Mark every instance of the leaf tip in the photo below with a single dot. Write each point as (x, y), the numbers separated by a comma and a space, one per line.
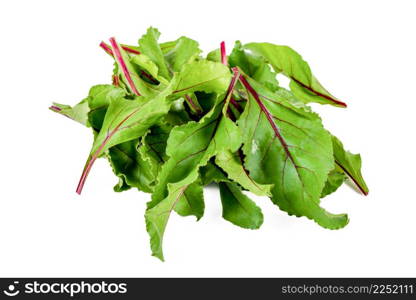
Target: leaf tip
(159, 256)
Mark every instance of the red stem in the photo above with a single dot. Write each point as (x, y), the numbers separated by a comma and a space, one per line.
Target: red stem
(55, 108)
(108, 49)
(352, 178)
(233, 82)
(89, 164)
(123, 66)
(116, 80)
(223, 54)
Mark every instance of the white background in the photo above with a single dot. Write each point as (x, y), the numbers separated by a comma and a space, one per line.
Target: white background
(362, 51)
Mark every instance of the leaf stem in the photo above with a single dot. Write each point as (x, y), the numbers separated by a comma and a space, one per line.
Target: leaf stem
(116, 80)
(361, 188)
(109, 51)
(223, 54)
(233, 82)
(123, 66)
(106, 48)
(55, 108)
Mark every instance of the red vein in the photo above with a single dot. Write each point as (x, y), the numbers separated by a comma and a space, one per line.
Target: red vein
(352, 178)
(122, 64)
(223, 54)
(269, 117)
(195, 85)
(340, 103)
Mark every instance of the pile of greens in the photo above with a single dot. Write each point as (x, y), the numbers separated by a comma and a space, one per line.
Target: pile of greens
(173, 121)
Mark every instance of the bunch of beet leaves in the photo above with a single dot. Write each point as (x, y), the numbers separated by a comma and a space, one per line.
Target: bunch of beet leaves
(173, 121)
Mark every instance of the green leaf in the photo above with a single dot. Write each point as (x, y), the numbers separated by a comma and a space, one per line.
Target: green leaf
(190, 147)
(177, 114)
(289, 148)
(150, 47)
(185, 51)
(193, 104)
(211, 173)
(99, 99)
(232, 164)
(167, 46)
(153, 147)
(91, 110)
(238, 208)
(78, 113)
(147, 65)
(303, 84)
(129, 165)
(350, 164)
(254, 66)
(204, 76)
(173, 122)
(214, 55)
(191, 203)
(156, 221)
(334, 181)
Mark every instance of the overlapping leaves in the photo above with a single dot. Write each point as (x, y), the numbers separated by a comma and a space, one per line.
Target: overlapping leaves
(173, 122)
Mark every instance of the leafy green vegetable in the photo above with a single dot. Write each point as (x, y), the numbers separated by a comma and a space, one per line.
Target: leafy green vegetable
(173, 122)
